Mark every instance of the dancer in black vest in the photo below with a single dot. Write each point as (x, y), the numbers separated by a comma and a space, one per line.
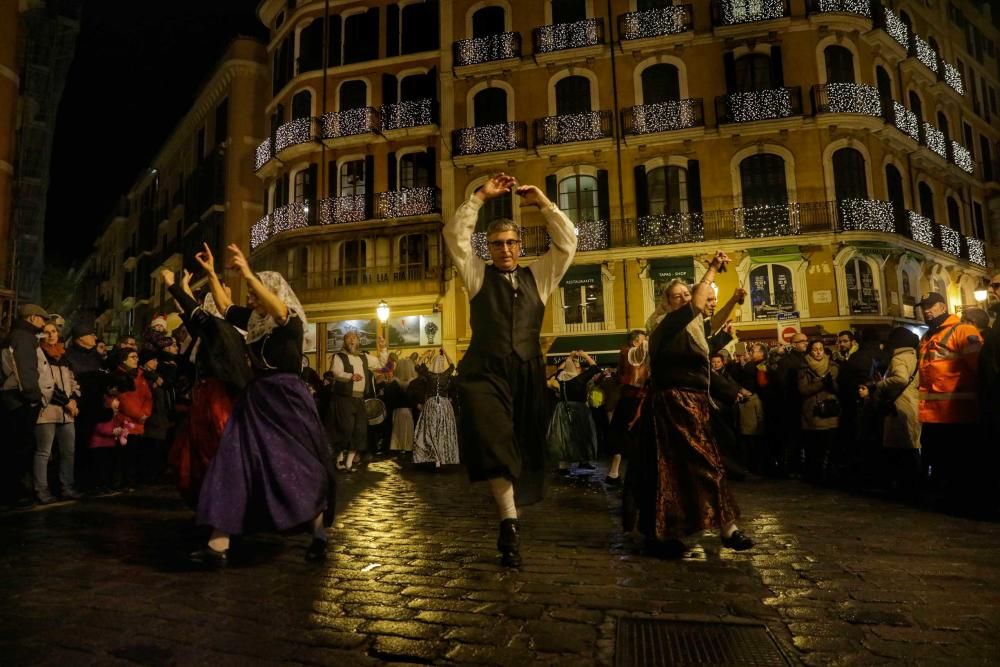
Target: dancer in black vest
(501, 381)
(353, 372)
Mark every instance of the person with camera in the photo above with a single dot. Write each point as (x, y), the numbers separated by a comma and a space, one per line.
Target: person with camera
(820, 409)
(60, 393)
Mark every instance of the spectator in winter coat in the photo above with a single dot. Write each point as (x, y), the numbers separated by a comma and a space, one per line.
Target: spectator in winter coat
(818, 389)
(87, 365)
(107, 446)
(136, 405)
(60, 393)
(151, 455)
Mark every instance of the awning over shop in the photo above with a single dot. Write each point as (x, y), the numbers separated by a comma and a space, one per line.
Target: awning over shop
(785, 253)
(668, 268)
(603, 347)
(582, 275)
(874, 249)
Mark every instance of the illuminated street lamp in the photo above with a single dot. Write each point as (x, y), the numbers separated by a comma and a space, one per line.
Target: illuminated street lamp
(981, 294)
(382, 310)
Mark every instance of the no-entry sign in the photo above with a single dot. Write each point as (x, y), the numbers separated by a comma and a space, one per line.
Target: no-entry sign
(788, 325)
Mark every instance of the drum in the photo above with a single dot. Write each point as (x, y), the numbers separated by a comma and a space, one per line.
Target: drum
(375, 409)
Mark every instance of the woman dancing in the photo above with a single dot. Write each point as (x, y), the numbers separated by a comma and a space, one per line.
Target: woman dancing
(273, 469)
(437, 433)
(682, 486)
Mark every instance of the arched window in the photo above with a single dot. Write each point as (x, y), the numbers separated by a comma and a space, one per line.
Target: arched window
(352, 178)
(361, 38)
(311, 47)
(765, 196)
(894, 188)
(353, 95)
(849, 174)
(752, 72)
(353, 260)
(917, 107)
(568, 11)
(277, 118)
(945, 128)
(419, 27)
(488, 21)
(839, 64)
(905, 287)
(415, 170)
(304, 186)
(668, 192)
(572, 95)
(954, 217)
(494, 209)
(302, 105)
(660, 83)
(862, 294)
(578, 198)
(926, 196)
(490, 107)
(884, 83)
(771, 291)
(416, 87)
(414, 256)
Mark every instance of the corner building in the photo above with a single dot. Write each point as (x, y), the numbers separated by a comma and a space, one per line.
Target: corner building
(842, 152)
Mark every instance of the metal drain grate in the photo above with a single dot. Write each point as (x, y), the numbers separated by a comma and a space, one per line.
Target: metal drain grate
(647, 642)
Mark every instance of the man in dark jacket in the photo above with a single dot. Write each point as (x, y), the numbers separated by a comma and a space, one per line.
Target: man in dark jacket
(87, 365)
(989, 402)
(790, 409)
(20, 401)
(858, 437)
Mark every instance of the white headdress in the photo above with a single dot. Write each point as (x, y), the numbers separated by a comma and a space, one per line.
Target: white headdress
(440, 364)
(262, 325)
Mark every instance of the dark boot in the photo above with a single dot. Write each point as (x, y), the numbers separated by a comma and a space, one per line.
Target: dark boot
(509, 543)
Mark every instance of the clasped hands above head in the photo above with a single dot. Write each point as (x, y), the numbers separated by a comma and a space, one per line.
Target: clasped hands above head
(501, 184)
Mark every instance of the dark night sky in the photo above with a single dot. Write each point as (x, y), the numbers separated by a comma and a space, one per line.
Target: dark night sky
(137, 69)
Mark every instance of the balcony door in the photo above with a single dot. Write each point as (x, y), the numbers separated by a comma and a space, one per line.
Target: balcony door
(353, 261)
(490, 107)
(849, 179)
(765, 196)
(752, 72)
(839, 64)
(415, 170)
(489, 21)
(573, 95)
(660, 83)
(414, 257)
(578, 198)
(353, 95)
(668, 191)
(568, 11)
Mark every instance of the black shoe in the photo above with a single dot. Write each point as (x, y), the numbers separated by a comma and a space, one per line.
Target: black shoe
(209, 558)
(613, 481)
(668, 549)
(316, 551)
(509, 543)
(45, 499)
(586, 465)
(737, 541)
(23, 503)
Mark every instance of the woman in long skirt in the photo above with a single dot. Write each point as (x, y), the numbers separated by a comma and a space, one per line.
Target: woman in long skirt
(400, 406)
(273, 469)
(572, 435)
(681, 484)
(436, 438)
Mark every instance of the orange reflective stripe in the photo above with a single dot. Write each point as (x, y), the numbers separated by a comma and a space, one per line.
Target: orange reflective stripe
(961, 396)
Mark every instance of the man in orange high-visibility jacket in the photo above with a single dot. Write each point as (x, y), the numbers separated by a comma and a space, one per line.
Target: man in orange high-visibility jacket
(949, 406)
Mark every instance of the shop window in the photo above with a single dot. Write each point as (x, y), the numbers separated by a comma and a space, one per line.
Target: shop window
(862, 294)
(771, 291)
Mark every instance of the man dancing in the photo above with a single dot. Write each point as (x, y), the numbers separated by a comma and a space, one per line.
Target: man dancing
(501, 379)
(353, 372)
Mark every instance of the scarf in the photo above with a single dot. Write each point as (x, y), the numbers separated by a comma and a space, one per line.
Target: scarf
(821, 367)
(262, 325)
(936, 322)
(54, 351)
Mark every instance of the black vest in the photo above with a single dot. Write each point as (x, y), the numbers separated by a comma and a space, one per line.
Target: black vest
(341, 388)
(505, 319)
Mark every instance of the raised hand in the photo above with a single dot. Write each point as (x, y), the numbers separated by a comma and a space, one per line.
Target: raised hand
(533, 196)
(720, 259)
(206, 260)
(498, 185)
(186, 283)
(238, 260)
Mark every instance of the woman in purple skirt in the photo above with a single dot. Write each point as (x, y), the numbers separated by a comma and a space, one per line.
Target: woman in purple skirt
(273, 469)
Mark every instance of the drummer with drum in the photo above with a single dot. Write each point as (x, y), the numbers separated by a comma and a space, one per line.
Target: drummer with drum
(354, 385)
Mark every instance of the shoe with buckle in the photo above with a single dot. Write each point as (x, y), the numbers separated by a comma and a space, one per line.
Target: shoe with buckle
(737, 541)
(316, 551)
(509, 543)
(209, 558)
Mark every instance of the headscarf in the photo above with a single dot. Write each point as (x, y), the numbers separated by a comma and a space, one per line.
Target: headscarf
(439, 365)
(262, 325)
(571, 368)
(208, 305)
(406, 371)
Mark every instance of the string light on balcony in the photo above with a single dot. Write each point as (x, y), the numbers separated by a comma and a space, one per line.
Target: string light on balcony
(921, 228)
(406, 202)
(340, 210)
(951, 241)
(866, 215)
(767, 220)
(487, 49)
(406, 114)
(906, 121)
(934, 139)
(853, 98)
(926, 54)
(859, 7)
(567, 35)
(574, 127)
(741, 11)
(347, 123)
(298, 131)
(487, 139)
(962, 157)
(977, 251)
(656, 22)
(954, 78)
(896, 28)
(593, 235)
(671, 228)
(665, 116)
(260, 232)
(262, 155)
(759, 105)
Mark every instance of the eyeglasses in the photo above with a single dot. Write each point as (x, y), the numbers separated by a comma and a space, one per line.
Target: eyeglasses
(509, 244)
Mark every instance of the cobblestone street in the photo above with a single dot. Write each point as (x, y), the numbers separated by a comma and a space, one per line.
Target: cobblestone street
(413, 577)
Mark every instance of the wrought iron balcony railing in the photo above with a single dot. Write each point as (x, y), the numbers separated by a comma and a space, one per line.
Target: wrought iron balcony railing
(413, 113)
(658, 22)
(343, 209)
(934, 140)
(407, 202)
(562, 36)
(975, 251)
(408, 277)
(735, 12)
(348, 123)
(663, 116)
(670, 228)
(954, 78)
(756, 105)
(503, 46)
(951, 240)
(846, 98)
(292, 133)
(262, 155)
(962, 157)
(922, 51)
(572, 127)
(887, 20)
(857, 7)
(490, 138)
(593, 235)
(865, 215)
(905, 121)
(921, 229)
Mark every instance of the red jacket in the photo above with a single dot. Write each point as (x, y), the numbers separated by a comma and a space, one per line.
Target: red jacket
(949, 358)
(137, 405)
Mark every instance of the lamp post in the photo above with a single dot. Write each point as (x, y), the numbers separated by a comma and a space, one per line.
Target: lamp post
(382, 312)
(981, 295)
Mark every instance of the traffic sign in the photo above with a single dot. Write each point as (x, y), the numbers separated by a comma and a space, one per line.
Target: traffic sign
(789, 324)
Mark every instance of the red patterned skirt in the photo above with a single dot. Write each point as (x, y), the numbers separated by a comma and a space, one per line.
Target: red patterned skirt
(196, 443)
